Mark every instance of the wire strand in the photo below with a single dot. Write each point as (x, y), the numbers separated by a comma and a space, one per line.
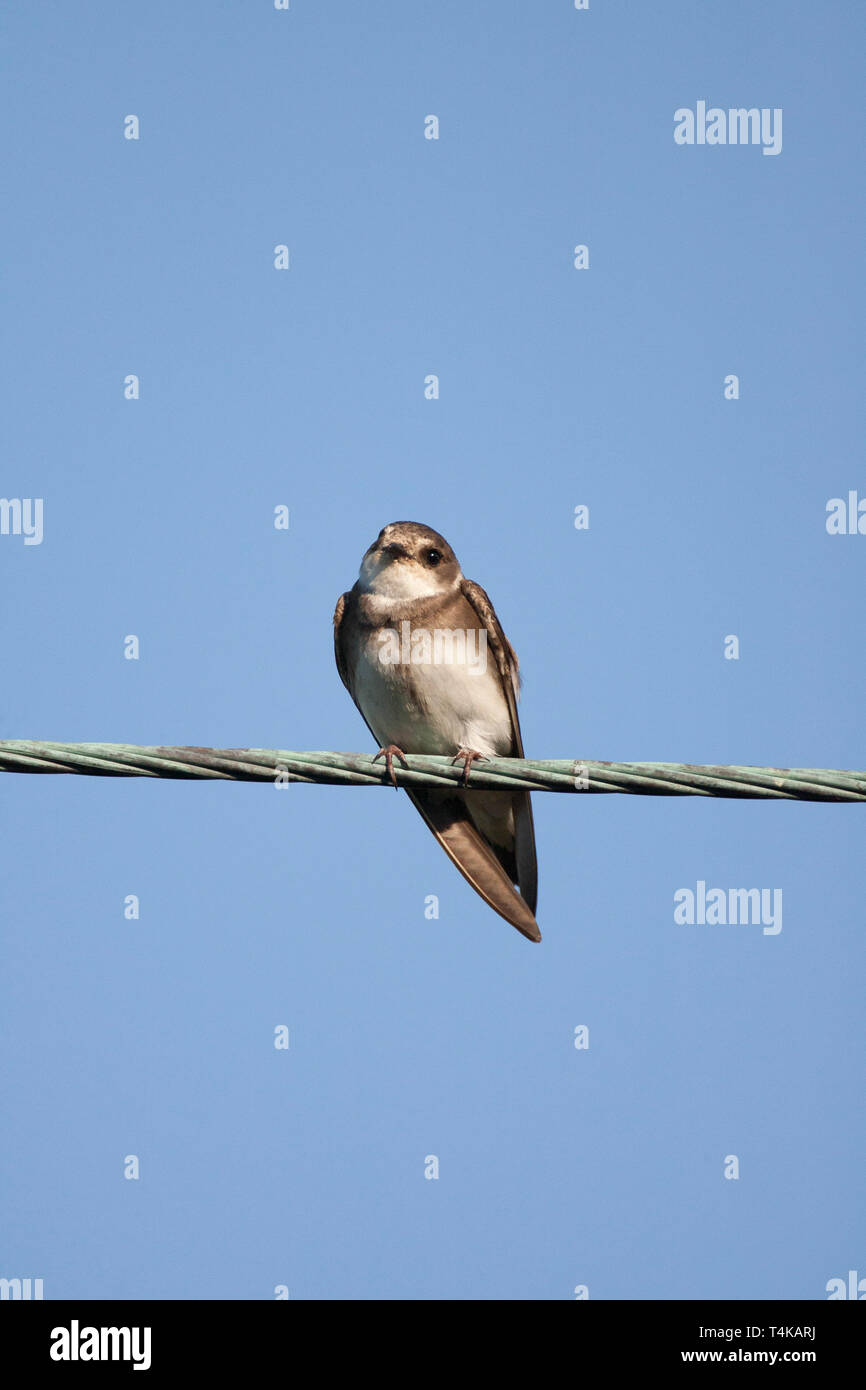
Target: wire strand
(278, 765)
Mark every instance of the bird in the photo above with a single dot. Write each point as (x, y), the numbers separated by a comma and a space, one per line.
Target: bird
(422, 653)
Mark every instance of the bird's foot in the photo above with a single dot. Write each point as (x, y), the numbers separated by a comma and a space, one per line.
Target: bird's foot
(469, 757)
(389, 755)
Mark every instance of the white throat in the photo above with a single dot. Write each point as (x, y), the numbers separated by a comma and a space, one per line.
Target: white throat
(400, 582)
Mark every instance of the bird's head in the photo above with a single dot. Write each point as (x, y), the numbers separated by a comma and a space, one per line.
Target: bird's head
(409, 561)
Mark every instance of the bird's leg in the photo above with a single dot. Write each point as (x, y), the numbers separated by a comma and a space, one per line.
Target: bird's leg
(389, 754)
(469, 757)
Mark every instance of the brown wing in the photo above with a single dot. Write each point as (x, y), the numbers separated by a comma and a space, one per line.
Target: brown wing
(342, 619)
(339, 653)
(503, 654)
(526, 859)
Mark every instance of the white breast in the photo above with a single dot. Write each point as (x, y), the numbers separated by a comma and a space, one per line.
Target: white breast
(430, 707)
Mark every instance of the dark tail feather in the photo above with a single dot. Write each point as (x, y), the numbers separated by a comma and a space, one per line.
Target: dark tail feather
(449, 820)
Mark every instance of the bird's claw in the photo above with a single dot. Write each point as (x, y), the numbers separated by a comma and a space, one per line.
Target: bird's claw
(389, 754)
(469, 757)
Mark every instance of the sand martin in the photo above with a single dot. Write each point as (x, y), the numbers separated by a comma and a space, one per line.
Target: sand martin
(421, 651)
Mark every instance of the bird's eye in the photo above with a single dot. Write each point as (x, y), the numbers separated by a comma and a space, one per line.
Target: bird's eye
(433, 557)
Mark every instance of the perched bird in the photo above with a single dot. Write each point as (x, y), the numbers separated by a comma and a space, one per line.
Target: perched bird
(421, 651)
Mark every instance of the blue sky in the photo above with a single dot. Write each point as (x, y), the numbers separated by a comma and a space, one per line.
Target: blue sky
(558, 1167)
